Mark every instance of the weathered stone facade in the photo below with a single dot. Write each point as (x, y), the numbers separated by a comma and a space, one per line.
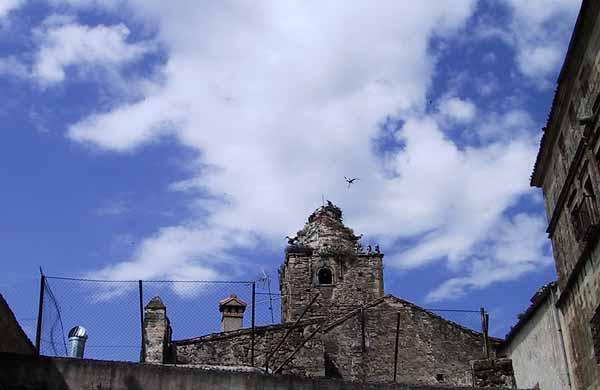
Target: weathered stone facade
(431, 350)
(493, 373)
(350, 330)
(157, 332)
(234, 349)
(325, 247)
(358, 346)
(568, 171)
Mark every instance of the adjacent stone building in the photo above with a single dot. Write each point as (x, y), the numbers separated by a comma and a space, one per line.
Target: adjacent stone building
(536, 344)
(12, 337)
(568, 171)
(340, 324)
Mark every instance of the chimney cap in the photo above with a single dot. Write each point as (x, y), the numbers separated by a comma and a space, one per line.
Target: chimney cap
(78, 331)
(155, 303)
(231, 301)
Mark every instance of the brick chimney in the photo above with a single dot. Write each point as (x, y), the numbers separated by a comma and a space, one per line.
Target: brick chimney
(233, 309)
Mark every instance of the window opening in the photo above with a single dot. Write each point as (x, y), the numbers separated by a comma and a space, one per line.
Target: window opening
(325, 276)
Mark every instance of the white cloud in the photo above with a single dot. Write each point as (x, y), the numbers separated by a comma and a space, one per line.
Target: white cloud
(172, 253)
(280, 102)
(113, 208)
(462, 110)
(514, 248)
(12, 67)
(456, 196)
(509, 124)
(9, 5)
(64, 43)
(540, 31)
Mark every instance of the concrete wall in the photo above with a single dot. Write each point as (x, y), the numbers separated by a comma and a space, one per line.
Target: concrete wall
(24, 372)
(537, 352)
(12, 337)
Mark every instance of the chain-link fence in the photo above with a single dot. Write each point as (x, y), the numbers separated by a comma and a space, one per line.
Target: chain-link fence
(112, 312)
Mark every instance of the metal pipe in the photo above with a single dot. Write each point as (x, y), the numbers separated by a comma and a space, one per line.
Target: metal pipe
(77, 338)
(397, 346)
(484, 330)
(252, 335)
(38, 334)
(287, 333)
(141, 294)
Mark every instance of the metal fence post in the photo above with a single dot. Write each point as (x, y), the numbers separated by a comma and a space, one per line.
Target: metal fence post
(143, 349)
(485, 318)
(38, 334)
(397, 345)
(252, 335)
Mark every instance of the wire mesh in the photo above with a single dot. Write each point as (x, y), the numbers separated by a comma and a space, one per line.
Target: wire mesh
(110, 311)
(52, 338)
(193, 307)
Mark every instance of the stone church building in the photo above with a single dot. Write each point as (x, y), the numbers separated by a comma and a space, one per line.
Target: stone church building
(352, 330)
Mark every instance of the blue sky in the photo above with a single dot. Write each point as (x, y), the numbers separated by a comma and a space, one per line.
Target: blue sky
(184, 142)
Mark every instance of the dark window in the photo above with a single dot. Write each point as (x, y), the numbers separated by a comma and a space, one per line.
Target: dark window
(439, 377)
(325, 276)
(585, 216)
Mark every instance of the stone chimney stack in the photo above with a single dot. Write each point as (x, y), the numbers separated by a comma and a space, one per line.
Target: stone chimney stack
(233, 309)
(157, 332)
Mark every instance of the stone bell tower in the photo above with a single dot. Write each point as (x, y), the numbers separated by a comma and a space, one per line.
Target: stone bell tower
(327, 258)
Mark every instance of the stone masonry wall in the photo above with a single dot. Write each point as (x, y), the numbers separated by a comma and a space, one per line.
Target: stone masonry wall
(233, 349)
(431, 349)
(325, 242)
(357, 279)
(157, 332)
(577, 259)
(493, 373)
(578, 310)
